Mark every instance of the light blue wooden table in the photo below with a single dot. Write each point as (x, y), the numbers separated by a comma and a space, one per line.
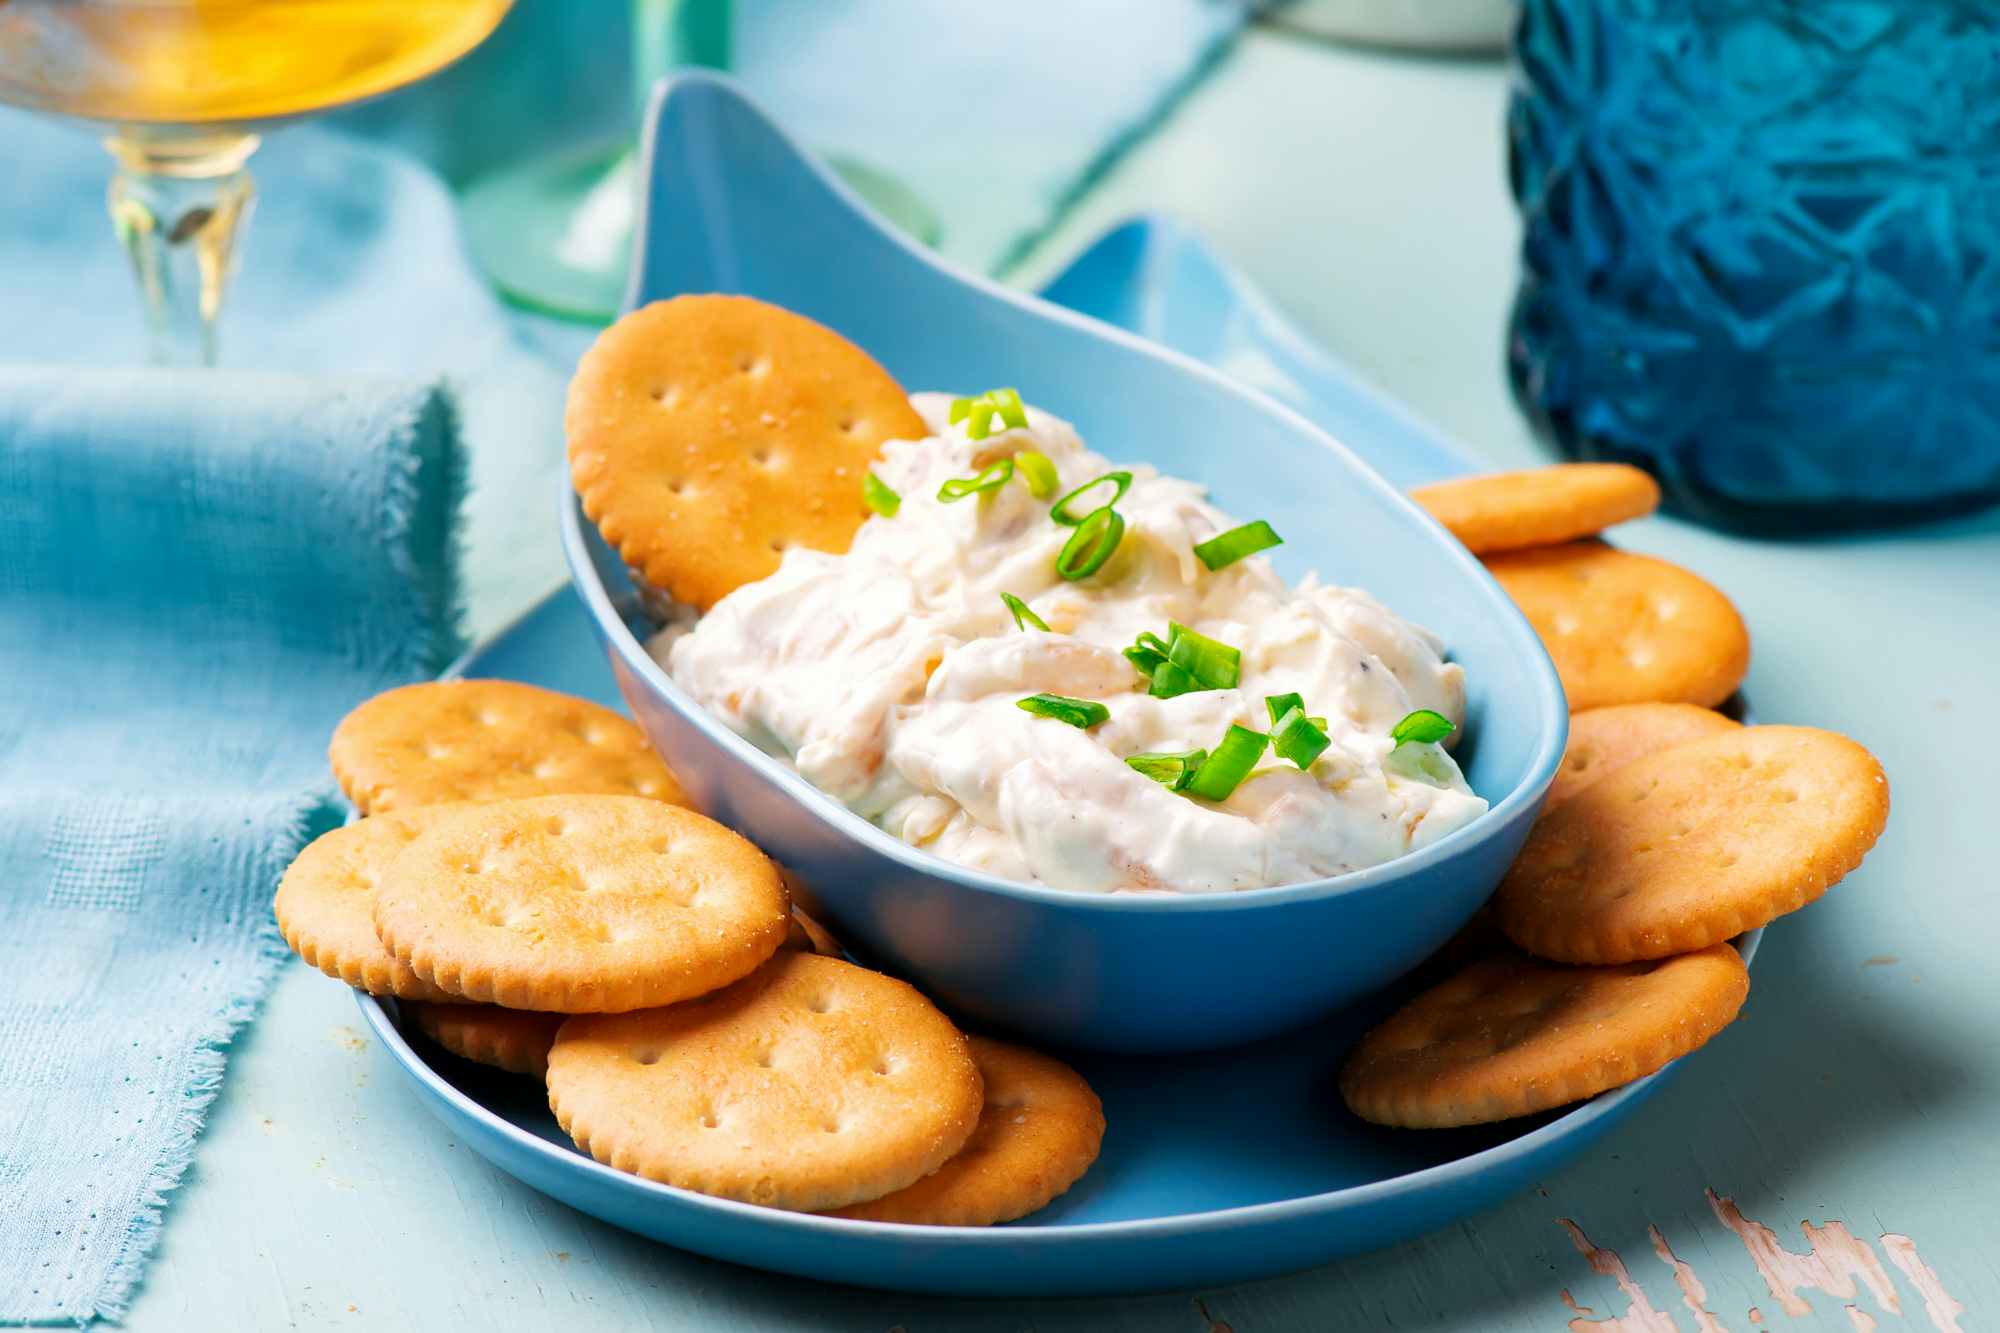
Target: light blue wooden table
(1859, 1095)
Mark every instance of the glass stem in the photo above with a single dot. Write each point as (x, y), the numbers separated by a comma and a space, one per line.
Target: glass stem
(179, 204)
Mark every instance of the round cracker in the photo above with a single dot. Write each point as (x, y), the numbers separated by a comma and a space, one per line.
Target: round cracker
(810, 1084)
(1694, 845)
(489, 740)
(1625, 628)
(1038, 1133)
(516, 1040)
(1513, 1035)
(1604, 740)
(580, 904)
(709, 434)
(325, 903)
(1507, 511)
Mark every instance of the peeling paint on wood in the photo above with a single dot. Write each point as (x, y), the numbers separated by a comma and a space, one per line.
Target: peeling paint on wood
(1836, 1258)
(1640, 1316)
(1693, 1294)
(1938, 1303)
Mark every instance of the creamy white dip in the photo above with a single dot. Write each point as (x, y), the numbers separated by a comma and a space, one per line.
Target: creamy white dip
(890, 677)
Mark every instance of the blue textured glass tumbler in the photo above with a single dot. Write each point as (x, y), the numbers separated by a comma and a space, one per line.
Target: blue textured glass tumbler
(1761, 251)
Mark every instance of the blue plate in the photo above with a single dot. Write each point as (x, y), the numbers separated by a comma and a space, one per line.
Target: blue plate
(1216, 1168)
(732, 205)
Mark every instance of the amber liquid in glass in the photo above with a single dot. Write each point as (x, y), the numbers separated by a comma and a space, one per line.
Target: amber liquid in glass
(213, 62)
(184, 86)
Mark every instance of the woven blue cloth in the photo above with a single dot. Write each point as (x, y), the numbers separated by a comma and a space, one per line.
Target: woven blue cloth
(199, 572)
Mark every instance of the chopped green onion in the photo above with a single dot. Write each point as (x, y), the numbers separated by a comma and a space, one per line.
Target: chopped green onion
(978, 413)
(1091, 544)
(1007, 402)
(879, 497)
(1229, 763)
(1173, 770)
(1147, 653)
(1320, 722)
(1281, 704)
(1040, 474)
(1170, 681)
(1061, 511)
(991, 478)
(1233, 545)
(1024, 615)
(1294, 737)
(1424, 727)
(1083, 713)
(1212, 662)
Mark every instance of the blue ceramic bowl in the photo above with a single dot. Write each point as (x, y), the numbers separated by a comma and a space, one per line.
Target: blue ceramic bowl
(730, 204)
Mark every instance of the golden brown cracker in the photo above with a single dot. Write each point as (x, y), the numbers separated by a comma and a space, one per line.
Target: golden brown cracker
(516, 1040)
(1625, 628)
(1694, 845)
(1039, 1132)
(1513, 1035)
(580, 904)
(489, 740)
(1507, 511)
(709, 434)
(326, 902)
(1604, 740)
(811, 1084)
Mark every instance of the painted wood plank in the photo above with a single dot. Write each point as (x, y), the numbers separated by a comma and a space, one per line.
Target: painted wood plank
(1860, 1089)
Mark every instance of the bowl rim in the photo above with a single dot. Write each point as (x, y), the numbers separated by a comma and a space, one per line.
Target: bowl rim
(1545, 686)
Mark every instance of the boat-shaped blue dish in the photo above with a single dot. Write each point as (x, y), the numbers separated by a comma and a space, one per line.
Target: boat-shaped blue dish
(730, 204)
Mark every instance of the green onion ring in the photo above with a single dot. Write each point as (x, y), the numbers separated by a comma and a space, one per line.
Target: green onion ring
(1038, 472)
(1172, 770)
(1091, 544)
(879, 497)
(1082, 713)
(991, 478)
(1424, 726)
(1229, 763)
(1229, 547)
(1060, 510)
(1024, 614)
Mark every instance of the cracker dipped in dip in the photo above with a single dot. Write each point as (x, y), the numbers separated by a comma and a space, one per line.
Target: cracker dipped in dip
(1104, 690)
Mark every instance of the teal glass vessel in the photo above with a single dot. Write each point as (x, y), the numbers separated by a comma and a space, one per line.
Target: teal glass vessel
(1761, 251)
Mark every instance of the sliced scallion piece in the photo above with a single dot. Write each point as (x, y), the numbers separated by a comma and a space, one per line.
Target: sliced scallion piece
(1172, 770)
(991, 478)
(879, 497)
(1228, 763)
(1007, 404)
(1069, 514)
(1280, 704)
(1423, 726)
(1294, 737)
(1229, 547)
(1170, 681)
(1024, 615)
(1091, 544)
(1038, 472)
(1081, 713)
(1212, 662)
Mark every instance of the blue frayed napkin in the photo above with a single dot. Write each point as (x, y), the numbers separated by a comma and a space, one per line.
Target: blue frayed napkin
(198, 574)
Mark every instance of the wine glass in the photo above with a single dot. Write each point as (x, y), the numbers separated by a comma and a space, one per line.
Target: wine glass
(182, 89)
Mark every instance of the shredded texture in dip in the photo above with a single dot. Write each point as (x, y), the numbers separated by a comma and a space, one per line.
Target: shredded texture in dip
(890, 677)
